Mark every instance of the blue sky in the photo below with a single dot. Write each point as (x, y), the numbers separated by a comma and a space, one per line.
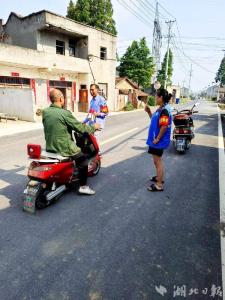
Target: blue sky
(200, 24)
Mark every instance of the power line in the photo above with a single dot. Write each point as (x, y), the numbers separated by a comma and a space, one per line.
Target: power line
(133, 12)
(189, 85)
(203, 45)
(192, 60)
(148, 3)
(147, 7)
(166, 11)
(203, 38)
(179, 36)
(142, 9)
(183, 65)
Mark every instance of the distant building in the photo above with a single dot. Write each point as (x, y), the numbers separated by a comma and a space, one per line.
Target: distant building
(184, 92)
(45, 50)
(128, 91)
(212, 91)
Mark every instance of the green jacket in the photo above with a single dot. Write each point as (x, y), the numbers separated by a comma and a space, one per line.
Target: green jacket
(58, 125)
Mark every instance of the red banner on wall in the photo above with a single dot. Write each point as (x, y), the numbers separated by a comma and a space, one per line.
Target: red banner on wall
(33, 86)
(74, 95)
(15, 74)
(74, 92)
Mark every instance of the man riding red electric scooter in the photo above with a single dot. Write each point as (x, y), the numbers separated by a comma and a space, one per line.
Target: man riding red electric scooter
(72, 155)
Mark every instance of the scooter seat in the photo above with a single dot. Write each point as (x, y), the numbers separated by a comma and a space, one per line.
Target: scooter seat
(45, 154)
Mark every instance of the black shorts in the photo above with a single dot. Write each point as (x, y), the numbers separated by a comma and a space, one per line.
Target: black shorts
(155, 151)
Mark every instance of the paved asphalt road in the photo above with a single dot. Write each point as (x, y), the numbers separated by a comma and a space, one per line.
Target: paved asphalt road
(125, 242)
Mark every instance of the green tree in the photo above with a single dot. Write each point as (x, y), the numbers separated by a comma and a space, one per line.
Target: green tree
(110, 24)
(137, 63)
(70, 10)
(161, 76)
(96, 13)
(82, 11)
(220, 76)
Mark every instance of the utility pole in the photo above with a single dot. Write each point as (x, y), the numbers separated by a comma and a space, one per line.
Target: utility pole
(157, 42)
(170, 24)
(182, 95)
(189, 85)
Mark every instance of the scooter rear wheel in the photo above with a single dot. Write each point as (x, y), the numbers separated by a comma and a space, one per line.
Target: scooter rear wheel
(41, 201)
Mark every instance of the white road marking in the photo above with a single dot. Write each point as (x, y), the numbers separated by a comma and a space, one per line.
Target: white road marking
(118, 136)
(221, 190)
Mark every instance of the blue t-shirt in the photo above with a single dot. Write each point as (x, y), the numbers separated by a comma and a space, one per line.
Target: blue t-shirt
(154, 128)
(95, 104)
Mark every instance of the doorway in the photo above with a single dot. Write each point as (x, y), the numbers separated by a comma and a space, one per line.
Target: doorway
(63, 86)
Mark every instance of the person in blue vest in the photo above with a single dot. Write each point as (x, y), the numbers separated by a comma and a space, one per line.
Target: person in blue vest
(159, 136)
(98, 110)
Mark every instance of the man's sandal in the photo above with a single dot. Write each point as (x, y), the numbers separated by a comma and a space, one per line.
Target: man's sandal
(154, 179)
(155, 188)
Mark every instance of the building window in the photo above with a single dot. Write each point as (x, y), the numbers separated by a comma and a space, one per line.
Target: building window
(72, 47)
(103, 89)
(103, 53)
(83, 87)
(60, 47)
(14, 81)
(60, 84)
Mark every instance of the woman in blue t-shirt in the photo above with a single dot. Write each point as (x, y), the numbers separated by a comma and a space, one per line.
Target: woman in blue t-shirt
(159, 136)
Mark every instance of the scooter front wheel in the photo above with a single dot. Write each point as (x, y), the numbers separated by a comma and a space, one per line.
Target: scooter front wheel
(94, 168)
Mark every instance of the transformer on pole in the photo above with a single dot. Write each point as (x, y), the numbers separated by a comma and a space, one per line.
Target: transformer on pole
(157, 43)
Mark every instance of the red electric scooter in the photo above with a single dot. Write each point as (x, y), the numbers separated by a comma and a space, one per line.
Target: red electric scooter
(183, 132)
(50, 174)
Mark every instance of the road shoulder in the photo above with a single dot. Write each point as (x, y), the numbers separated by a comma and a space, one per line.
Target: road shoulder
(222, 192)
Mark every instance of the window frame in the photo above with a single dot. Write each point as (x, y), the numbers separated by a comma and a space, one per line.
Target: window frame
(60, 47)
(15, 81)
(103, 53)
(72, 46)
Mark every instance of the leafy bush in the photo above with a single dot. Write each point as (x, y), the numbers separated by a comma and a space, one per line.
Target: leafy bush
(151, 101)
(129, 106)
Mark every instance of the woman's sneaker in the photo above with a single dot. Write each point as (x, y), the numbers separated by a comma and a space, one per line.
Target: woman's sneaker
(86, 190)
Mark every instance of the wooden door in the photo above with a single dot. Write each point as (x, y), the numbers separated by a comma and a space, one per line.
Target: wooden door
(83, 101)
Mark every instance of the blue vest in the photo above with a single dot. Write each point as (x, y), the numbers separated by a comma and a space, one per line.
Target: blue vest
(154, 130)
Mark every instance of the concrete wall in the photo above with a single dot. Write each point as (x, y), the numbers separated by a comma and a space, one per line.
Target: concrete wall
(13, 55)
(18, 102)
(47, 43)
(104, 70)
(41, 78)
(23, 31)
(41, 93)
